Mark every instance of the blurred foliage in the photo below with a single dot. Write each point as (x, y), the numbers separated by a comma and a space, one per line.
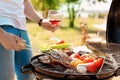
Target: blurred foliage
(71, 11)
(45, 5)
(102, 0)
(71, 1)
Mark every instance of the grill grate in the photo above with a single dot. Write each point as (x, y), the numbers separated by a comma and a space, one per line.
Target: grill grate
(116, 56)
(112, 48)
(108, 67)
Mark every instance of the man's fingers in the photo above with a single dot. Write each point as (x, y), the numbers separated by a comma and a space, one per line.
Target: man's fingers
(19, 39)
(18, 48)
(21, 44)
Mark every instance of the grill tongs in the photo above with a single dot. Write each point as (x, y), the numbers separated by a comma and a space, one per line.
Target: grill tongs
(96, 52)
(28, 47)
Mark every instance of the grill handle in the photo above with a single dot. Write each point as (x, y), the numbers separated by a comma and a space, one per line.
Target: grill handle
(27, 69)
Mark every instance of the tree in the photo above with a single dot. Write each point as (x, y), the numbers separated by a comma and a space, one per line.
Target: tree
(71, 11)
(45, 5)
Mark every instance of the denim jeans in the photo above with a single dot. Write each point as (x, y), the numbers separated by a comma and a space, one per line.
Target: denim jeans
(12, 61)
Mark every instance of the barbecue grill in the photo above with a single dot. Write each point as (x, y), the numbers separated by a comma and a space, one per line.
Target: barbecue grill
(109, 69)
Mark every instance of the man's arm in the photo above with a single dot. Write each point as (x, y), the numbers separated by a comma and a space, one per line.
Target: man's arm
(30, 11)
(32, 15)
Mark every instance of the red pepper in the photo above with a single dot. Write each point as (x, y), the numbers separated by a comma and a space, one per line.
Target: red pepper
(60, 41)
(88, 59)
(98, 62)
(74, 56)
(91, 67)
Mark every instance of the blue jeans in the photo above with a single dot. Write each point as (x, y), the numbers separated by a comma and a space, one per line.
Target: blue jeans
(12, 61)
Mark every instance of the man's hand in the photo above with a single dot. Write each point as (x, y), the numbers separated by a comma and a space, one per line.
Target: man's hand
(48, 26)
(11, 41)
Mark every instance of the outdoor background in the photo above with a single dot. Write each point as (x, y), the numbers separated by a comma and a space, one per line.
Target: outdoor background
(92, 12)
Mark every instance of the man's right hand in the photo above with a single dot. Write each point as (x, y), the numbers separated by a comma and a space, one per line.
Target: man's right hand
(11, 41)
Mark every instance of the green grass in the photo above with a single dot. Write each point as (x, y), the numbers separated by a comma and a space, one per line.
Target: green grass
(40, 36)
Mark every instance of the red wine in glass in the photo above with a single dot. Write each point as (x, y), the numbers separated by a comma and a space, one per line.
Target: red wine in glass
(54, 21)
(54, 17)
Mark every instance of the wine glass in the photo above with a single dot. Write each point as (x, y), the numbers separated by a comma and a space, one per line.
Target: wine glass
(54, 17)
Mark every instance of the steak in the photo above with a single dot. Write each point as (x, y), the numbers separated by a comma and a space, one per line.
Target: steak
(55, 58)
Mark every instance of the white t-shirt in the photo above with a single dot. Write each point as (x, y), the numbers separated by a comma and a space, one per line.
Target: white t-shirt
(12, 13)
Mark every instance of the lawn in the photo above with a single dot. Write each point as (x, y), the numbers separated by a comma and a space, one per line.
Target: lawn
(40, 36)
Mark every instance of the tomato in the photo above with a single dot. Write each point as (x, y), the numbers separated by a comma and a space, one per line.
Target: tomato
(91, 67)
(98, 62)
(60, 41)
(75, 55)
(88, 59)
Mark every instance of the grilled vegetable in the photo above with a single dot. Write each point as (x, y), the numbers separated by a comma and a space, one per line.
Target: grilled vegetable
(45, 47)
(75, 62)
(61, 46)
(98, 62)
(81, 68)
(60, 41)
(91, 67)
(74, 56)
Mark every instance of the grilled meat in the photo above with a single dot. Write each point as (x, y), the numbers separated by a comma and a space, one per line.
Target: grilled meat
(55, 58)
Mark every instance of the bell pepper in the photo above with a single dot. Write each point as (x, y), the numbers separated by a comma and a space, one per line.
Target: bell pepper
(75, 62)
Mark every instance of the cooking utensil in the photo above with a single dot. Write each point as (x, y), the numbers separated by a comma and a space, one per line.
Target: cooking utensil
(28, 47)
(96, 52)
(105, 47)
(110, 48)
